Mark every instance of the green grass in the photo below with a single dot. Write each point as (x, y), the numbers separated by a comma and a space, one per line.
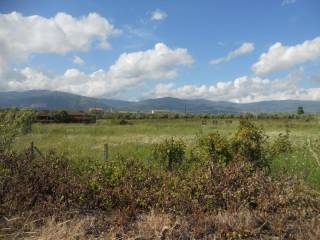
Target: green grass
(83, 143)
(301, 162)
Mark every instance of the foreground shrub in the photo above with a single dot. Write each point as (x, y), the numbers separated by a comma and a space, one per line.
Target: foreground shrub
(13, 123)
(281, 144)
(218, 148)
(170, 151)
(248, 144)
(209, 205)
(42, 183)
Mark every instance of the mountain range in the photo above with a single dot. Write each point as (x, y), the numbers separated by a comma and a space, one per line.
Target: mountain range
(52, 100)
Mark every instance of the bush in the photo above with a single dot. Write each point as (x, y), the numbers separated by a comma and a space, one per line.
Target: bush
(217, 147)
(123, 122)
(248, 144)
(44, 183)
(170, 151)
(281, 145)
(46, 186)
(13, 123)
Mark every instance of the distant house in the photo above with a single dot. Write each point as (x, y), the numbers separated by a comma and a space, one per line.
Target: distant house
(44, 117)
(26, 109)
(64, 117)
(80, 117)
(159, 111)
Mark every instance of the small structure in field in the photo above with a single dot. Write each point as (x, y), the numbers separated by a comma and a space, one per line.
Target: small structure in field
(44, 117)
(159, 111)
(81, 117)
(64, 117)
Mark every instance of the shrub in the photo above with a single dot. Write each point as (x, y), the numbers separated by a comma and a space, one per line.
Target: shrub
(281, 144)
(123, 122)
(248, 144)
(170, 151)
(217, 147)
(13, 123)
(43, 182)
(276, 207)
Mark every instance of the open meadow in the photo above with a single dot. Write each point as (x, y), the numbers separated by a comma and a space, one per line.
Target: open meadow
(83, 143)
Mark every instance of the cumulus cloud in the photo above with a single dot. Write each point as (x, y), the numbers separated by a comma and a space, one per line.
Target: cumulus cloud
(130, 70)
(78, 60)
(245, 48)
(242, 89)
(280, 57)
(158, 15)
(21, 36)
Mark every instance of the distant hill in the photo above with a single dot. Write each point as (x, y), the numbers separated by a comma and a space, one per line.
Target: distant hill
(43, 99)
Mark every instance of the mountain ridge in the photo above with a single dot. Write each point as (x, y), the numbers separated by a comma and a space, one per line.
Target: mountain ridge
(45, 99)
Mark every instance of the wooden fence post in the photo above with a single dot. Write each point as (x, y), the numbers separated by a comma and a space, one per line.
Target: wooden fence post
(31, 149)
(105, 152)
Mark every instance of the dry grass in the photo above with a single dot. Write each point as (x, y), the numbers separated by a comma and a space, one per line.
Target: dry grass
(243, 224)
(51, 228)
(70, 229)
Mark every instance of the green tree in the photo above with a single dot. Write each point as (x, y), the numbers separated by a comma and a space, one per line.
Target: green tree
(300, 110)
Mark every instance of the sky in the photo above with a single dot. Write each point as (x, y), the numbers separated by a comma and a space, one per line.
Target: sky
(221, 50)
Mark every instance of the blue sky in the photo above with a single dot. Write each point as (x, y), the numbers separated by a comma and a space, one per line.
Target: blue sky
(191, 36)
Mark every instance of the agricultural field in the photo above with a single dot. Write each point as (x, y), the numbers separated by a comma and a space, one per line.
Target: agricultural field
(85, 142)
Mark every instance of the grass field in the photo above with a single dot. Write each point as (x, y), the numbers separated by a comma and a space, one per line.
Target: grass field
(83, 143)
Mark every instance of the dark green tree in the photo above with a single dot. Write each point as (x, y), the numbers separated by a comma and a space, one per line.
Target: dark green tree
(300, 110)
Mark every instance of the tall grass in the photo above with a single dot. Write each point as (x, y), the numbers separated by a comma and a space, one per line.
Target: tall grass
(300, 162)
(84, 143)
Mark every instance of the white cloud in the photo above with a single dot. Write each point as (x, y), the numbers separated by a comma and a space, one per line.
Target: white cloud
(288, 2)
(280, 57)
(21, 36)
(78, 60)
(158, 15)
(130, 70)
(245, 48)
(242, 89)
